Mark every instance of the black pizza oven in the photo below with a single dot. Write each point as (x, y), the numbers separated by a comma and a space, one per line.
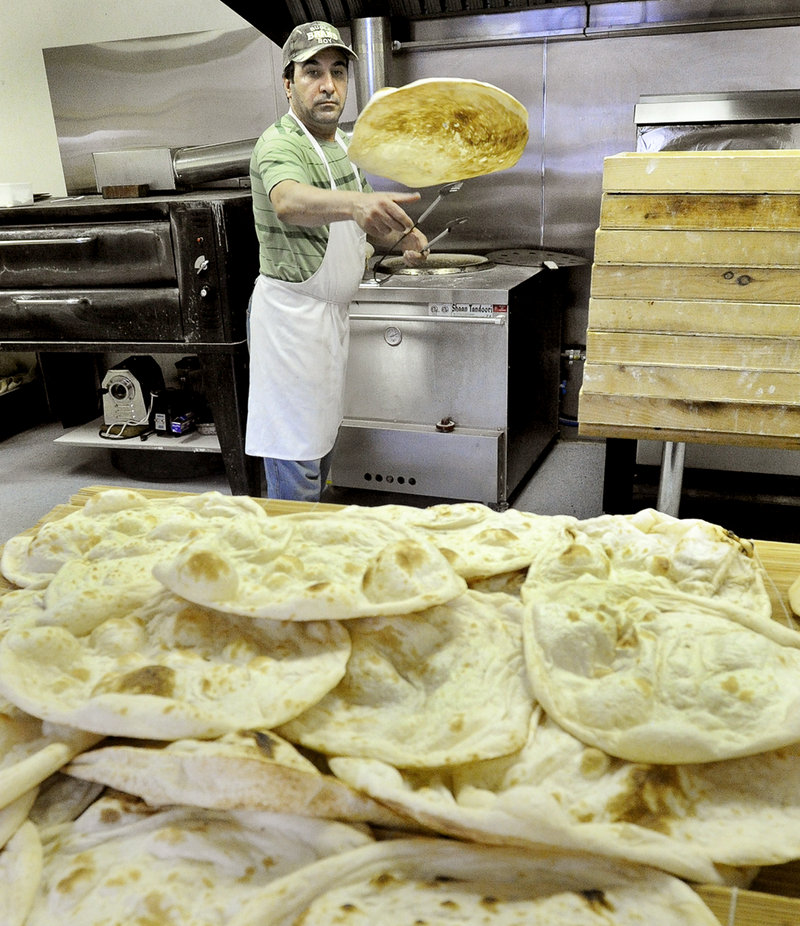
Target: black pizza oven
(86, 276)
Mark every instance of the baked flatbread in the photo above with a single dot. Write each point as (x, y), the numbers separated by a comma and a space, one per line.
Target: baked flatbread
(443, 686)
(650, 677)
(698, 821)
(15, 813)
(443, 881)
(122, 862)
(310, 567)
(688, 558)
(20, 873)
(257, 770)
(478, 541)
(439, 130)
(84, 594)
(20, 607)
(172, 669)
(31, 751)
(652, 639)
(117, 523)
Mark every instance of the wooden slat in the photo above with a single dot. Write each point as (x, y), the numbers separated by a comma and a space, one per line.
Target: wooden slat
(606, 429)
(749, 908)
(781, 561)
(698, 316)
(754, 387)
(727, 422)
(775, 171)
(753, 211)
(737, 284)
(693, 350)
(705, 248)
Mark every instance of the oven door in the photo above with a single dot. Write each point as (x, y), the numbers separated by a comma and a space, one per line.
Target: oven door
(92, 315)
(419, 369)
(108, 254)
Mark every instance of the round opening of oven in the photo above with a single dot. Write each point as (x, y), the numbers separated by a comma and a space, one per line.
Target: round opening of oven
(436, 264)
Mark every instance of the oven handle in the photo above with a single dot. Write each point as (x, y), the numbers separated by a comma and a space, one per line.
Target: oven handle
(19, 242)
(461, 319)
(40, 300)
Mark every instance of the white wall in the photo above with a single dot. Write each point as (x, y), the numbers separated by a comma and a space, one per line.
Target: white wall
(28, 141)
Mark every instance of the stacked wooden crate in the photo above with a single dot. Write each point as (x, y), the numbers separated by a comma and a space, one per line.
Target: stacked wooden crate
(694, 312)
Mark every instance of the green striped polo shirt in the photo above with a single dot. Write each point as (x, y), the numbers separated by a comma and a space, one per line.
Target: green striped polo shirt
(292, 252)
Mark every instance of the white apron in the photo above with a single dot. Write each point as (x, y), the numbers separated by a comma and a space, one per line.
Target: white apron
(299, 339)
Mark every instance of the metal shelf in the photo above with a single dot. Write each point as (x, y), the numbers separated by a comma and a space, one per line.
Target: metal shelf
(88, 435)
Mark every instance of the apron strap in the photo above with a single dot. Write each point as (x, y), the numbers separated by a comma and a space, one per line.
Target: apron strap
(318, 148)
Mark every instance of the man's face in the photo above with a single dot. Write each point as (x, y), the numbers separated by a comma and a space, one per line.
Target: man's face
(318, 91)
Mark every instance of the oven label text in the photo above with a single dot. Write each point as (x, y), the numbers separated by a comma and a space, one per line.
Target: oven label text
(466, 308)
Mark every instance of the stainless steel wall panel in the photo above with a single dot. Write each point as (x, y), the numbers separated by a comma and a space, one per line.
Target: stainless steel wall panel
(498, 28)
(638, 17)
(592, 88)
(172, 91)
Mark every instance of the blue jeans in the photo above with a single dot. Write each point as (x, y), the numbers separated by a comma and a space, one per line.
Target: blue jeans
(297, 480)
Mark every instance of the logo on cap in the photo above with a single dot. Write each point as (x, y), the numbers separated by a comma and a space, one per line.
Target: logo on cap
(309, 38)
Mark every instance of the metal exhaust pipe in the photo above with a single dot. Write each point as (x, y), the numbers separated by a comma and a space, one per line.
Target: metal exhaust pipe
(372, 43)
(206, 163)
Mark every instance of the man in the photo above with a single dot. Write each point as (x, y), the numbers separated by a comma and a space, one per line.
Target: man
(313, 211)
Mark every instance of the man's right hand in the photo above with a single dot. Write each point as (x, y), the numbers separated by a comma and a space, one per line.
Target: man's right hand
(382, 216)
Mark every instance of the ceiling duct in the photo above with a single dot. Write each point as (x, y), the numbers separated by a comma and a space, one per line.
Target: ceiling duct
(469, 22)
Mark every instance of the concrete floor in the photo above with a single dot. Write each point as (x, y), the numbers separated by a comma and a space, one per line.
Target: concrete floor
(38, 474)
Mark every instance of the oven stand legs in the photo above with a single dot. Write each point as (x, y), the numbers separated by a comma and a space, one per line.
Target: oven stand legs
(225, 379)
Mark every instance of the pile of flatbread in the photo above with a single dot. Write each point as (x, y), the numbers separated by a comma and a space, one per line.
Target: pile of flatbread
(439, 130)
(214, 715)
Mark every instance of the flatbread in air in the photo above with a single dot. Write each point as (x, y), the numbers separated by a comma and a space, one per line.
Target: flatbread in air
(439, 130)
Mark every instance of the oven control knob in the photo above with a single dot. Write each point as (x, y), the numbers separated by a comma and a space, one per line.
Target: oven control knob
(206, 291)
(201, 264)
(446, 425)
(392, 335)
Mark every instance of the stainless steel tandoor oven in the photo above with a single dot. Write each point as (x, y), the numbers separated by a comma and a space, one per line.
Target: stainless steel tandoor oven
(453, 381)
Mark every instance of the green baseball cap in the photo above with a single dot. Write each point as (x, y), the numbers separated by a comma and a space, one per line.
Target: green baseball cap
(309, 38)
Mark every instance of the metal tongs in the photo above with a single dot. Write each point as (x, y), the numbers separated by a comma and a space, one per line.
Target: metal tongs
(446, 190)
(441, 234)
